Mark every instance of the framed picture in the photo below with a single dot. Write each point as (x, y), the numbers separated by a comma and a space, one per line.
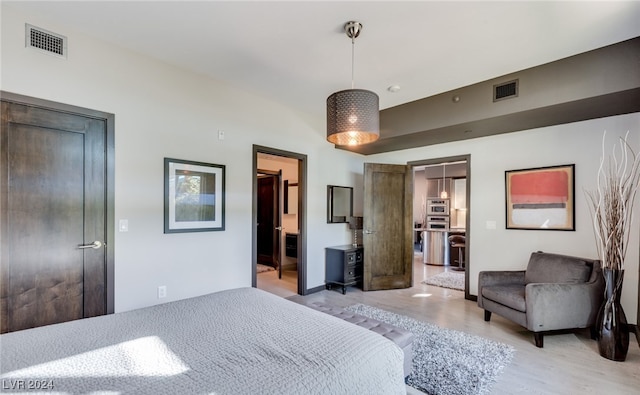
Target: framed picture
(193, 196)
(541, 198)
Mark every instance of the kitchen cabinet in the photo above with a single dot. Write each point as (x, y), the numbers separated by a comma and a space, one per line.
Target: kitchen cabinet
(291, 244)
(460, 193)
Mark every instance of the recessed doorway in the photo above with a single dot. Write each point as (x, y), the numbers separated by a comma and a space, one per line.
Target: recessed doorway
(279, 218)
(441, 221)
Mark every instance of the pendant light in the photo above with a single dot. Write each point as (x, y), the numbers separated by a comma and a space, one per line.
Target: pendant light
(353, 115)
(444, 194)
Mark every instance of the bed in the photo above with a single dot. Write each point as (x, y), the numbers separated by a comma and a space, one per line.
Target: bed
(238, 341)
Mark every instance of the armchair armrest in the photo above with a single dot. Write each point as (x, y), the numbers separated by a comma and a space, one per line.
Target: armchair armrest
(498, 277)
(552, 306)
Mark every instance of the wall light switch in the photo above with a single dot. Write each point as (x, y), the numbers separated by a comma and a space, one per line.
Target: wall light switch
(220, 134)
(491, 224)
(123, 225)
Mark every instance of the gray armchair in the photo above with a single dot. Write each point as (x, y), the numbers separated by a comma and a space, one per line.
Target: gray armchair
(555, 292)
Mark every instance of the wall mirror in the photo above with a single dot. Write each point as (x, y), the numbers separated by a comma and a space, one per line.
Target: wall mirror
(290, 197)
(339, 204)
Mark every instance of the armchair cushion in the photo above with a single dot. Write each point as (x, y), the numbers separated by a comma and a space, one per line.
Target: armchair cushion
(510, 295)
(554, 268)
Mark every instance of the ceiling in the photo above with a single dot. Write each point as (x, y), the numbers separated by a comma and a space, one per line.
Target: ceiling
(296, 53)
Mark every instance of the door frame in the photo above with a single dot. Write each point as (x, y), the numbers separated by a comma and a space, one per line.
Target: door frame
(302, 213)
(467, 159)
(109, 120)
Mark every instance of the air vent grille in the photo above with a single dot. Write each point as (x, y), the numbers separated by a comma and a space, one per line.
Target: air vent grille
(46, 41)
(506, 90)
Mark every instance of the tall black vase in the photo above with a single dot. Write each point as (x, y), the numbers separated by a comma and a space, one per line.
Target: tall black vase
(611, 324)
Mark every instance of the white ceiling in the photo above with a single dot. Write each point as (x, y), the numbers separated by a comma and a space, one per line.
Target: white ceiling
(296, 52)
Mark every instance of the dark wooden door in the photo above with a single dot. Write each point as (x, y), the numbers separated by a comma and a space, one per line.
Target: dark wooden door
(53, 201)
(388, 241)
(268, 237)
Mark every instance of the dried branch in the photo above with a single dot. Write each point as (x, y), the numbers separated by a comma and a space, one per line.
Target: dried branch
(611, 203)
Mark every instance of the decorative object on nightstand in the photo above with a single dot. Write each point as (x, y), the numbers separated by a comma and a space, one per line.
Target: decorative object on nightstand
(611, 205)
(355, 224)
(343, 266)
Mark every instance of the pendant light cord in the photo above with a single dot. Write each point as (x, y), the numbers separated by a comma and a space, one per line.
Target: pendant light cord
(353, 50)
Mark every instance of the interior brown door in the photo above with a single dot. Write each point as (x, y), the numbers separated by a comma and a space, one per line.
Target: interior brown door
(388, 205)
(53, 203)
(268, 235)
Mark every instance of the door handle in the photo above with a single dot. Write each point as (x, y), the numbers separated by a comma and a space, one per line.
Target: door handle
(369, 231)
(95, 245)
(278, 227)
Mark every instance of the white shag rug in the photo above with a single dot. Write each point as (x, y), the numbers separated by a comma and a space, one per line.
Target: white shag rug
(445, 361)
(453, 280)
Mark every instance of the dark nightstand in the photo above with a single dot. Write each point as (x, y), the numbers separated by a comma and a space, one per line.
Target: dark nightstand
(343, 266)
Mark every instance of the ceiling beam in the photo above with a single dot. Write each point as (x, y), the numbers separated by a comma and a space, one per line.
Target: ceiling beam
(595, 84)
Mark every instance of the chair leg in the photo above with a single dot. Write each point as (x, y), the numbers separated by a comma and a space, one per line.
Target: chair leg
(487, 315)
(538, 337)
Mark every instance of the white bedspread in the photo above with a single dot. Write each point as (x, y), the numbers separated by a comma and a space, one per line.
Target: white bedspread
(240, 341)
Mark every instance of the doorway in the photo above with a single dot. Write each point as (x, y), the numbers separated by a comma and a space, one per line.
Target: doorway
(441, 216)
(279, 199)
(56, 170)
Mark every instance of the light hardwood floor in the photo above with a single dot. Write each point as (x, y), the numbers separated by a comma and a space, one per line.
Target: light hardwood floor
(285, 287)
(569, 363)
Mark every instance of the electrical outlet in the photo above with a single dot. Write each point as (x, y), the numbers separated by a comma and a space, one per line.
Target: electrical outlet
(162, 291)
(123, 225)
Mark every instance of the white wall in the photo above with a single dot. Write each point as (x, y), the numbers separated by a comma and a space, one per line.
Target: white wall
(161, 111)
(500, 249)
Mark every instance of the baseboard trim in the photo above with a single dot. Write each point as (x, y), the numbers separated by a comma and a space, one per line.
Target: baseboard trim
(314, 290)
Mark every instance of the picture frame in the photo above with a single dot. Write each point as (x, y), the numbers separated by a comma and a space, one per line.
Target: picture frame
(541, 198)
(194, 196)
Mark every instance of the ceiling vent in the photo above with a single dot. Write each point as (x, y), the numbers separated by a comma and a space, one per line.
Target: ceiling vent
(506, 90)
(45, 41)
